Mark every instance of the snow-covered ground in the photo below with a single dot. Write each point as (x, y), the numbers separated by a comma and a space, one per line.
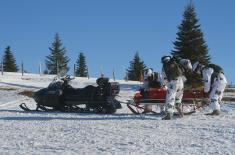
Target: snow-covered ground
(122, 133)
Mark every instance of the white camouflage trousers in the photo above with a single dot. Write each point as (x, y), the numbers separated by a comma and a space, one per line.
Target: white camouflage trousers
(174, 94)
(217, 91)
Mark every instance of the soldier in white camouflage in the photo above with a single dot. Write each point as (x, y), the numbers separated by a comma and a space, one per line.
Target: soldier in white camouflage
(214, 84)
(173, 73)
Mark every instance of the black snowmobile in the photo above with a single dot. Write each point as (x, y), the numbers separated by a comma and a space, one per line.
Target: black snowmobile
(61, 96)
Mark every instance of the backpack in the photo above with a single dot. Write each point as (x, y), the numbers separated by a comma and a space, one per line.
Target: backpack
(217, 69)
(172, 70)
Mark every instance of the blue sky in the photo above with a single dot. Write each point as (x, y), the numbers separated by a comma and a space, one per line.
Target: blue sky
(109, 32)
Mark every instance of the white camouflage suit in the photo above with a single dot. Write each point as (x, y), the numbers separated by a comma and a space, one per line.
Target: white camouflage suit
(174, 94)
(147, 74)
(175, 88)
(216, 89)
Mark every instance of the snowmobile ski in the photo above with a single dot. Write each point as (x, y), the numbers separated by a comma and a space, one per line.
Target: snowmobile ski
(38, 109)
(25, 108)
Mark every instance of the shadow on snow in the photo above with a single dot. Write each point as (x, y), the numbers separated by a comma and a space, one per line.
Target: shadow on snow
(75, 116)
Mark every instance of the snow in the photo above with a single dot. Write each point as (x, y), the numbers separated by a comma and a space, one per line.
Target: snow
(121, 133)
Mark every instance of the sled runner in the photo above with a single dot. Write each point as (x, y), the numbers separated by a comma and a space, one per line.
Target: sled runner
(192, 100)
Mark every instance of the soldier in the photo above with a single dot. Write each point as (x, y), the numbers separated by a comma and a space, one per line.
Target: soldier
(214, 84)
(173, 74)
(147, 74)
(151, 80)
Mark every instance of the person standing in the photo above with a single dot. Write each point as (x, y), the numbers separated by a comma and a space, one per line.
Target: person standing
(173, 75)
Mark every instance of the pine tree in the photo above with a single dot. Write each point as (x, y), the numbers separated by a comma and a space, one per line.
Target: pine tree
(57, 61)
(136, 68)
(190, 43)
(9, 62)
(81, 67)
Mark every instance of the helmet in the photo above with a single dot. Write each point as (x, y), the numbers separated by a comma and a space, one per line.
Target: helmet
(165, 58)
(150, 72)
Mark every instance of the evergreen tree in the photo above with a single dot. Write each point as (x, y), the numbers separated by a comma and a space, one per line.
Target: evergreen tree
(57, 61)
(81, 67)
(136, 68)
(9, 62)
(190, 43)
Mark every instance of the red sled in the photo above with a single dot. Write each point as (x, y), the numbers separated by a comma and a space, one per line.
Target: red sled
(143, 100)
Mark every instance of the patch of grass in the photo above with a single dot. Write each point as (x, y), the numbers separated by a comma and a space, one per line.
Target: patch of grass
(231, 99)
(7, 88)
(26, 78)
(27, 93)
(229, 90)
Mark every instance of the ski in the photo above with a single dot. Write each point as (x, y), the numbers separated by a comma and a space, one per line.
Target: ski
(25, 108)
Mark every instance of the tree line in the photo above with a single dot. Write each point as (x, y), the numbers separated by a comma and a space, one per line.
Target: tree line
(189, 44)
(56, 62)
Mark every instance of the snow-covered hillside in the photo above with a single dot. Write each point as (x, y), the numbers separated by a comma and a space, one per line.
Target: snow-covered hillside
(121, 133)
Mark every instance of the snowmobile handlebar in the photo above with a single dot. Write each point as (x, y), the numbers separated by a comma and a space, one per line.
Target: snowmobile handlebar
(67, 78)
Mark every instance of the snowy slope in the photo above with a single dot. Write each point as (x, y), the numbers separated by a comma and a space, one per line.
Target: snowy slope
(122, 133)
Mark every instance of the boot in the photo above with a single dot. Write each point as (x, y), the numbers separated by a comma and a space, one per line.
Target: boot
(163, 113)
(147, 109)
(167, 117)
(214, 113)
(181, 114)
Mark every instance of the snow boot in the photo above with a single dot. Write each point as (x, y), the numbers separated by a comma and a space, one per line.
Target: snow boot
(163, 113)
(214, 113)
(167, 117)
(181, 114)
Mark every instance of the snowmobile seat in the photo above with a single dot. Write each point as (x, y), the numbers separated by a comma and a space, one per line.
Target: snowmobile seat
(83, 94)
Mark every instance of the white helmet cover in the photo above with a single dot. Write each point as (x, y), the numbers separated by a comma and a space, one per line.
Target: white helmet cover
(150, 72)
(165, 58)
